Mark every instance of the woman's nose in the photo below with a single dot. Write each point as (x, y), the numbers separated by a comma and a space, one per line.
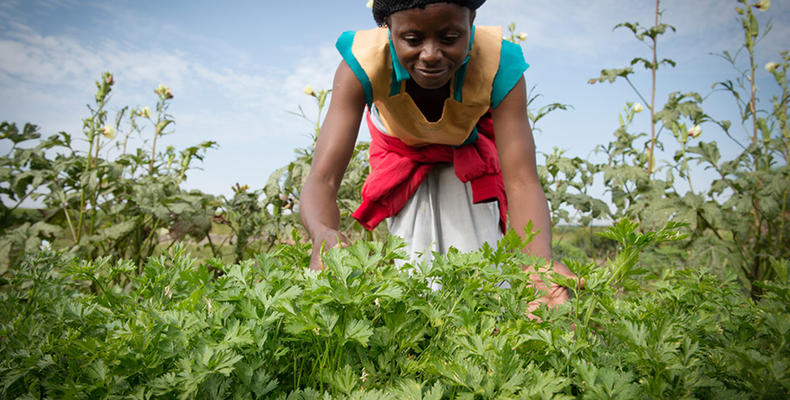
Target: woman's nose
(430, 53)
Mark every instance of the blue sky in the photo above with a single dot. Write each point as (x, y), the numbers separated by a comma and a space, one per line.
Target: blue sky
(237, 68)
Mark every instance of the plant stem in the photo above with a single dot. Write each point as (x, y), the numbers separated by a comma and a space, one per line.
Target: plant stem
(752, 102)
(627, 79)
(750, 44)
(66, 211)
(653, 67)
(153, 152)
(211, 244)
(88, 163)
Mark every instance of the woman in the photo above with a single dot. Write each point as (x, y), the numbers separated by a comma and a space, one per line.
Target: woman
(446, 107)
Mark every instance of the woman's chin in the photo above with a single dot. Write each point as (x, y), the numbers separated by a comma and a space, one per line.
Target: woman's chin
(430, 83)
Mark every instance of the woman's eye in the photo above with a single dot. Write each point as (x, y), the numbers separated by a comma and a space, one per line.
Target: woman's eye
(449, 39)
(412, 41)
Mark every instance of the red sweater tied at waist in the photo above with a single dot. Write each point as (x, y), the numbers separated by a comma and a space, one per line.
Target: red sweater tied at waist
(397, 170)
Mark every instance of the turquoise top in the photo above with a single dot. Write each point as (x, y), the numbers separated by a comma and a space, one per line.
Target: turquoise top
(511, 68)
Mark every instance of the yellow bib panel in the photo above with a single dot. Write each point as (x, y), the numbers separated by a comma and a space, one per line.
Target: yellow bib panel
(401, 116)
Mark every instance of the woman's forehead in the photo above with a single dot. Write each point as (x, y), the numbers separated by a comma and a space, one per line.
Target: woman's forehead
(433, 16)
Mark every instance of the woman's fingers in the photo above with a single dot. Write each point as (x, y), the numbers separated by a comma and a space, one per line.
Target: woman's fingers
(563, 270)
(555, 296)
(325, 241)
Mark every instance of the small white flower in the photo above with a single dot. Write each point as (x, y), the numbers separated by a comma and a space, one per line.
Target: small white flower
(108, 131)
(145, 112)
(308, 90)
(695, 131)
(522, 36)
(771, 66)
(376, 302)
(638, 108)
(763, 5)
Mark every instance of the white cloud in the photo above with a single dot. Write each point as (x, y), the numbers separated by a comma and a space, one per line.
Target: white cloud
(582, 27)
(585, 27)
(48, 78)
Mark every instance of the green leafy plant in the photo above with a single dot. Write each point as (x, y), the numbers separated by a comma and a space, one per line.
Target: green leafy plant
(739, 221)
(268, 327)
(95, 205)
(754, 184)
(649, 36)
(285, 183)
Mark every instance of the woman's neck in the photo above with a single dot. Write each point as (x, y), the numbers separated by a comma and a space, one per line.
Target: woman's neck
(429, 101)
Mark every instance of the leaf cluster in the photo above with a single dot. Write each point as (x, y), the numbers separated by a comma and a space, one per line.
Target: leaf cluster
(363, 328)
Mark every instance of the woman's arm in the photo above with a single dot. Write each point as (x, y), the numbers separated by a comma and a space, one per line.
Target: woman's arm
(516, 147)
(526, 200)
(333, 151)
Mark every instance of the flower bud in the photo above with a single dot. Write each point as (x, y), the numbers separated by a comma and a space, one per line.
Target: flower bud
(108, 131)
(108, 78)
(771, 66)
(522, 36)
(739, 10)
(695, 131)
(308, 90)
(763, 5)
(239, 188)
(638, 108)
(163, 91)
(145, 112)
(593, 81)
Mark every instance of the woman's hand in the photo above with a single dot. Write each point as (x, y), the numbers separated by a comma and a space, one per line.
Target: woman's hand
(324, 241)
(333, 150)
(555, 294)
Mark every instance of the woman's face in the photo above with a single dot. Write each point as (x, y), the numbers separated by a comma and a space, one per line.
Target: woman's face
(431, 42)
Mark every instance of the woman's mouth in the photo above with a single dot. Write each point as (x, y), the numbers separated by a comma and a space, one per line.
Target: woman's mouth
(432, 73)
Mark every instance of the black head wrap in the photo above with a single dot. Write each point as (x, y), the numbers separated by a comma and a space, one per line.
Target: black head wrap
(384, 8)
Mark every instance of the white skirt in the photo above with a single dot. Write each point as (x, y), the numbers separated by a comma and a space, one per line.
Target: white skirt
(441, 214)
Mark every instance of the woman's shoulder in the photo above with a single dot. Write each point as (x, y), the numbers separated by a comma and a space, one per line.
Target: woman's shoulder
(490, 34)
(366, 52)
(368, 39)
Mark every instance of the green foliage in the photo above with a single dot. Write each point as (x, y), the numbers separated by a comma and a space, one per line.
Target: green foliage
(566, 182)
(100, 206)
(286, 182)
(269, 327)
(740, 222)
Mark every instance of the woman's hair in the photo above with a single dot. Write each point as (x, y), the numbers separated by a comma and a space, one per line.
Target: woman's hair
(384, 8)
